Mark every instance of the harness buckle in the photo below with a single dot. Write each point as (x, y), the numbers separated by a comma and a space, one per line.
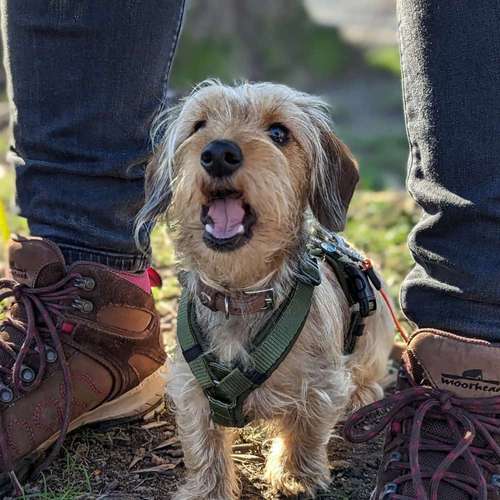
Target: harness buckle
(226, 414)
(309, 272)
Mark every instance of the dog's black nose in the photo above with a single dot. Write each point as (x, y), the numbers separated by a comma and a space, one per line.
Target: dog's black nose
(221, 158)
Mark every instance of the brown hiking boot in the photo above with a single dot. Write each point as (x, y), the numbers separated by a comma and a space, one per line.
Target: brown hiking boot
(443, 423)
(79, 345)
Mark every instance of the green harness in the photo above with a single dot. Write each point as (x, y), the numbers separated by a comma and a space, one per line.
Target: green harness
(227, 387)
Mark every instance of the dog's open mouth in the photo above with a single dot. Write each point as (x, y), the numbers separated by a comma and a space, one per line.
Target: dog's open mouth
(228, 221)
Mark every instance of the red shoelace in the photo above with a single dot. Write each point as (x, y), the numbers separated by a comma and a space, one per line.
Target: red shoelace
(466, 418)
(44, 305)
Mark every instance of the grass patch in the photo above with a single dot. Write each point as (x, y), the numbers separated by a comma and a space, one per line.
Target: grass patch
(198, 59)
(378, 225)
(73, 481)
(384, 59)
(9, 221)
(382, 160)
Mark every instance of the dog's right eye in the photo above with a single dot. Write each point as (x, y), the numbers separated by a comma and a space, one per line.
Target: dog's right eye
(198, 125)
(278, 133)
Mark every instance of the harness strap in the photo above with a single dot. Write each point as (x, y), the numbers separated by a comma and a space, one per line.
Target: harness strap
(356, 277)
(227, 388)
(191, 349)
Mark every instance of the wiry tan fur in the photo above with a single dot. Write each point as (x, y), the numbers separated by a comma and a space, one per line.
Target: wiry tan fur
(316, 384)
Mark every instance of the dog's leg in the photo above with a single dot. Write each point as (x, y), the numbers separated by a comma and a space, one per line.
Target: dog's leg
(207, 456)
(298, 459)
(210, 472)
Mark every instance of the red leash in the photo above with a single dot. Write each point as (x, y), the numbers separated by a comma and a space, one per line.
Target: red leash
(397, 324)
(368, 266)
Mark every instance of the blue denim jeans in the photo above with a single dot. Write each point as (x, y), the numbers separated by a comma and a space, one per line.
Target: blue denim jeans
(85, 80)
(450, 53)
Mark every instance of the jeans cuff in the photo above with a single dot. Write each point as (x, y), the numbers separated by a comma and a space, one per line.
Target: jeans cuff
(121, 262)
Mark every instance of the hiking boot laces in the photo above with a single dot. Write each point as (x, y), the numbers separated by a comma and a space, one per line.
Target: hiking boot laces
(45, 306)
(404, 413)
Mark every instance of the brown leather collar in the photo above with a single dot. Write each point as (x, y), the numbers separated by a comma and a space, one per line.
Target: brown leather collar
(235, 303)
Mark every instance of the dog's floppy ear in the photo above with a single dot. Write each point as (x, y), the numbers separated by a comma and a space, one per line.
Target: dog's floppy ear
(157, 187)
(335, 176)
(158, 179)
(158, 194)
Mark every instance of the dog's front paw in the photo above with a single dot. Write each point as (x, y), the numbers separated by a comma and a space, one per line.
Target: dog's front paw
(182, 494)
(290, 484)
(198, 492)
(286, 478)
(365, 395)
(283, 482)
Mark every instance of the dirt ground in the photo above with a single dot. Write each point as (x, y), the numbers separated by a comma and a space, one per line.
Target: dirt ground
(143, 461)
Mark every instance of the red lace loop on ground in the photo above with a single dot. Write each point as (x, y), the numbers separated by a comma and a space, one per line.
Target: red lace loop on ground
(465, 417)
(43, 305)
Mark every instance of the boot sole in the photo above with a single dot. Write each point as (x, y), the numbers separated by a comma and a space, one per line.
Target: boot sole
(138, 403)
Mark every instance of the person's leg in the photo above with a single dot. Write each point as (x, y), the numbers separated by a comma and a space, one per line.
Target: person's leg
(85, 80)
(450, 53)
(443, 422)
(81, 343)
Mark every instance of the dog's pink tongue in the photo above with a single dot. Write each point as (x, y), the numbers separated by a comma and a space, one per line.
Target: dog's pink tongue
(227, 215)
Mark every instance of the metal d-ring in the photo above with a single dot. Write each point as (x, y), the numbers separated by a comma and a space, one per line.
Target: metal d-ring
(205, 298)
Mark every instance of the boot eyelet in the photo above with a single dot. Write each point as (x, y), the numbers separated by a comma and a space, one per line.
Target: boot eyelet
(85, 283)
(495, 480)
(83, 305)
(395, 456)
(28, 375)
(389, 489)
(6, 394)
(50, 355)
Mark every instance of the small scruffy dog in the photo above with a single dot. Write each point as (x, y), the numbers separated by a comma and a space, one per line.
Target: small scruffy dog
(239, 170)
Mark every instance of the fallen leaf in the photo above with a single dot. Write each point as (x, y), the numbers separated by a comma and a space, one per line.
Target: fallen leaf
(175, 453)
(138, 457)
(243, 447)
(240, 457)
(158, 468)
(169, 442)
(154, 425)
(157, 460)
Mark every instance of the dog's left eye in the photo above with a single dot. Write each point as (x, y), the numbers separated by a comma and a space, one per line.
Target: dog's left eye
(278, 133)
(199, 124)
